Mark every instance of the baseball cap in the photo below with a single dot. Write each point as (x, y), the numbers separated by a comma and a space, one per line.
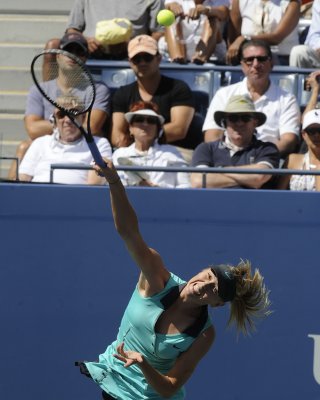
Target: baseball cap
(142, 44)
(74, 38)
(311, 117)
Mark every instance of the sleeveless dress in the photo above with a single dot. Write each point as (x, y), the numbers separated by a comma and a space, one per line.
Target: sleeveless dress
(137, 331)
(303, 182)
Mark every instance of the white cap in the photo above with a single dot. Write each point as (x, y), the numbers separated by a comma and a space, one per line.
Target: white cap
(312, 117)
(129, 115)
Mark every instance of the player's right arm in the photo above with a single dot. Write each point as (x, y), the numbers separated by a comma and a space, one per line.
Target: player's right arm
(154, 275)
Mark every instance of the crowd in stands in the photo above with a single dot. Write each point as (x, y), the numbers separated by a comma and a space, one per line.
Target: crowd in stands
(153, 121)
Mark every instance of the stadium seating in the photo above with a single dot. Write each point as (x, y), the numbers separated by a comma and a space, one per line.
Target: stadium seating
(204, 80)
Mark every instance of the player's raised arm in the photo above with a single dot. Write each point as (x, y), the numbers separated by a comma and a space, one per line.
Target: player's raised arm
(154, 275)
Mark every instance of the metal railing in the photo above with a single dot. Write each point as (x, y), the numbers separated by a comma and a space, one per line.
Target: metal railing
(203, 171)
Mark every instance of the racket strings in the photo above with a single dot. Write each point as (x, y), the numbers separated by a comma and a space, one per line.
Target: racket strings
(73, 90)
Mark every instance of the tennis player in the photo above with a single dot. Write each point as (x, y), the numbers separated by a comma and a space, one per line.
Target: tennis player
(166, 330)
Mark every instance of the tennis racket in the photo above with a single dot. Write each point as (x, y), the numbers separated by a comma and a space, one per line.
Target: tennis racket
(75, 83)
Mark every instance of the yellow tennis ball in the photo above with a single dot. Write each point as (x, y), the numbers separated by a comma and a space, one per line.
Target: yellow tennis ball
(165, 17)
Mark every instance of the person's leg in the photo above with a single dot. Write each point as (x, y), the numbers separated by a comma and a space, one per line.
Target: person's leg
(47, 74)
(176, 49)
(211, 35)
(303, 56)
(20, 152)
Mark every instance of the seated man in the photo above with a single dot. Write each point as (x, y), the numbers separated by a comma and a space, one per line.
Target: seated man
(85, 15)
(239, 148)
(197, 32)
(66, 145)
(173, 97)
(282, 126)
(38, 109)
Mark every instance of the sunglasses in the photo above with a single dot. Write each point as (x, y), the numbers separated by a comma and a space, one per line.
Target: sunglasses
(140, 119)
(146, 57)
(239, 117)
(312, 131)
(250, 60)
(61, 114)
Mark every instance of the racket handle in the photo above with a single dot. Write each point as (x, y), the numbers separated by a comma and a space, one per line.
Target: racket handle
(96, 153)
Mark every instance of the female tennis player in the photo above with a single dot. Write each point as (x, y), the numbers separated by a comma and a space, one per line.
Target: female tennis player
(166, 329)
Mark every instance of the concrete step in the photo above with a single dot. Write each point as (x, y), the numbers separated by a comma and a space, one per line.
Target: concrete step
(8, 146)
(31, 28)
(12, 127)
(14, 78)
(19, 54)
(13, 101)
(34, 6)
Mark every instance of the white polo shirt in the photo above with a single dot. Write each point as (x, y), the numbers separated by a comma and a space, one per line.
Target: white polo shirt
(280, 107)
(47, 150)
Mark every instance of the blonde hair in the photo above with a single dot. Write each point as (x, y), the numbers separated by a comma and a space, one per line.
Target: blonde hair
(251, 301)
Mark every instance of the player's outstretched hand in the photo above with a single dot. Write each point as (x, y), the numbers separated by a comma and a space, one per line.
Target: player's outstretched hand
(128, 357)
(108, 171)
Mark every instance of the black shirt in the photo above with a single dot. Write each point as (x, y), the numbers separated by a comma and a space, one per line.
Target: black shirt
(170, 93)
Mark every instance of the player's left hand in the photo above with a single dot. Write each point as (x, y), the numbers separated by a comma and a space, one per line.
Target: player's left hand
(128, 357)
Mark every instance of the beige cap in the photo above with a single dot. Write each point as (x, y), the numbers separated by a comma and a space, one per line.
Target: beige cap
(142, 44)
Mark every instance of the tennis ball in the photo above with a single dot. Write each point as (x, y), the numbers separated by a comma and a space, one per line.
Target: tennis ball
(165, 17)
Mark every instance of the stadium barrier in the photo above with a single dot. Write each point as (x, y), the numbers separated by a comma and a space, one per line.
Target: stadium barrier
(66, 277)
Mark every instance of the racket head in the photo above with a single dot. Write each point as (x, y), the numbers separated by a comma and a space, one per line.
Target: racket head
(74, 81)
(76, 89)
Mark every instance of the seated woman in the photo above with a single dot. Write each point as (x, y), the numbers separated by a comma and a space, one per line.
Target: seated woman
(308, 161)
(274, 21)
(147, 149)
(197, 33)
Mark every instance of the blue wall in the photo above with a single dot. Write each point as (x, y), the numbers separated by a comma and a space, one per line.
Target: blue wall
(65, 279)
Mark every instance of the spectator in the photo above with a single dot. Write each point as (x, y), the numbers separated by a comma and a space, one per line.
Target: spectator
(197, 32)
(39, 110)
(274, 21)
(313, 84)
(85, 15)
(238, 148)
(145, 126)
(173, 97)
(305, 162)
(281, 108)
(307, 55)
(65, 145)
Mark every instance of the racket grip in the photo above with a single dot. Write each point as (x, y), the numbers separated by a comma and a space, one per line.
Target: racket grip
(96, 153)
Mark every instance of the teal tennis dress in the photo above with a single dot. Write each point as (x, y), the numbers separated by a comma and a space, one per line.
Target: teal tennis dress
(137, 331)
